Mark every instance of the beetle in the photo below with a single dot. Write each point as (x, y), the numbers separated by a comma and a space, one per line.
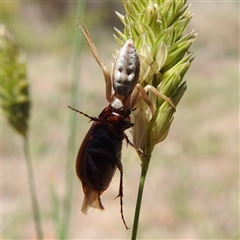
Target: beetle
(100, 155)
(100, 152)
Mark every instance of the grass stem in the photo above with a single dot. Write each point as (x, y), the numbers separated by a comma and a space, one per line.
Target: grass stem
(145, 163)
(138, 203)
(32, 189)
(72, 128)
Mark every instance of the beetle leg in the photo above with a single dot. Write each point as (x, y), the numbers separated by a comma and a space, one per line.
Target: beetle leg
(140, 92)
(140, 152)
(128, 141)
(106, 73)
(120, 194)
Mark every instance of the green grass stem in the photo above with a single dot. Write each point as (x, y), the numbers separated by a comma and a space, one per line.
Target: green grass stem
(145, 163)
(138, 203)
(72, 127)
(32, 189)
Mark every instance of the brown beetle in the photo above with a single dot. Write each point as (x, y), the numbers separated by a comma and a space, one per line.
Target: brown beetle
(100, 155)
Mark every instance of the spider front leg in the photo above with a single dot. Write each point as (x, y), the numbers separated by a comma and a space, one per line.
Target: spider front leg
(106, 73)
(141, 92)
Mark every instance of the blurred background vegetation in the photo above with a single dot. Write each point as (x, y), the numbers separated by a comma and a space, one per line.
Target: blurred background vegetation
(192, 188)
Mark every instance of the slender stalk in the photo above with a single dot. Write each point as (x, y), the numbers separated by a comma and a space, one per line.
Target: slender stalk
(71, 141)
(32, 189)
(56, 208)
(138, 204)
(145, 163)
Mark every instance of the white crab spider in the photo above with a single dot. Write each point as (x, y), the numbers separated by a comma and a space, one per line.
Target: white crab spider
(122, 87)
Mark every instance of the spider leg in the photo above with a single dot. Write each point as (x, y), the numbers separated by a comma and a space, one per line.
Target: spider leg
(141, 92)
(156, 92)
(106, 73)
(138, 93)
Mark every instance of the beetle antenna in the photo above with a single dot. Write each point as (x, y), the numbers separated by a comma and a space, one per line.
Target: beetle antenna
(84, 114)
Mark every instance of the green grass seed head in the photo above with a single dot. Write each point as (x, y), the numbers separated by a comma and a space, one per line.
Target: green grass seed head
(157, 29)
(14, 85)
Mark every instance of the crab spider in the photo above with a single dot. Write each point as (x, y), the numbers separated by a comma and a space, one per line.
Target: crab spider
(122, 87)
